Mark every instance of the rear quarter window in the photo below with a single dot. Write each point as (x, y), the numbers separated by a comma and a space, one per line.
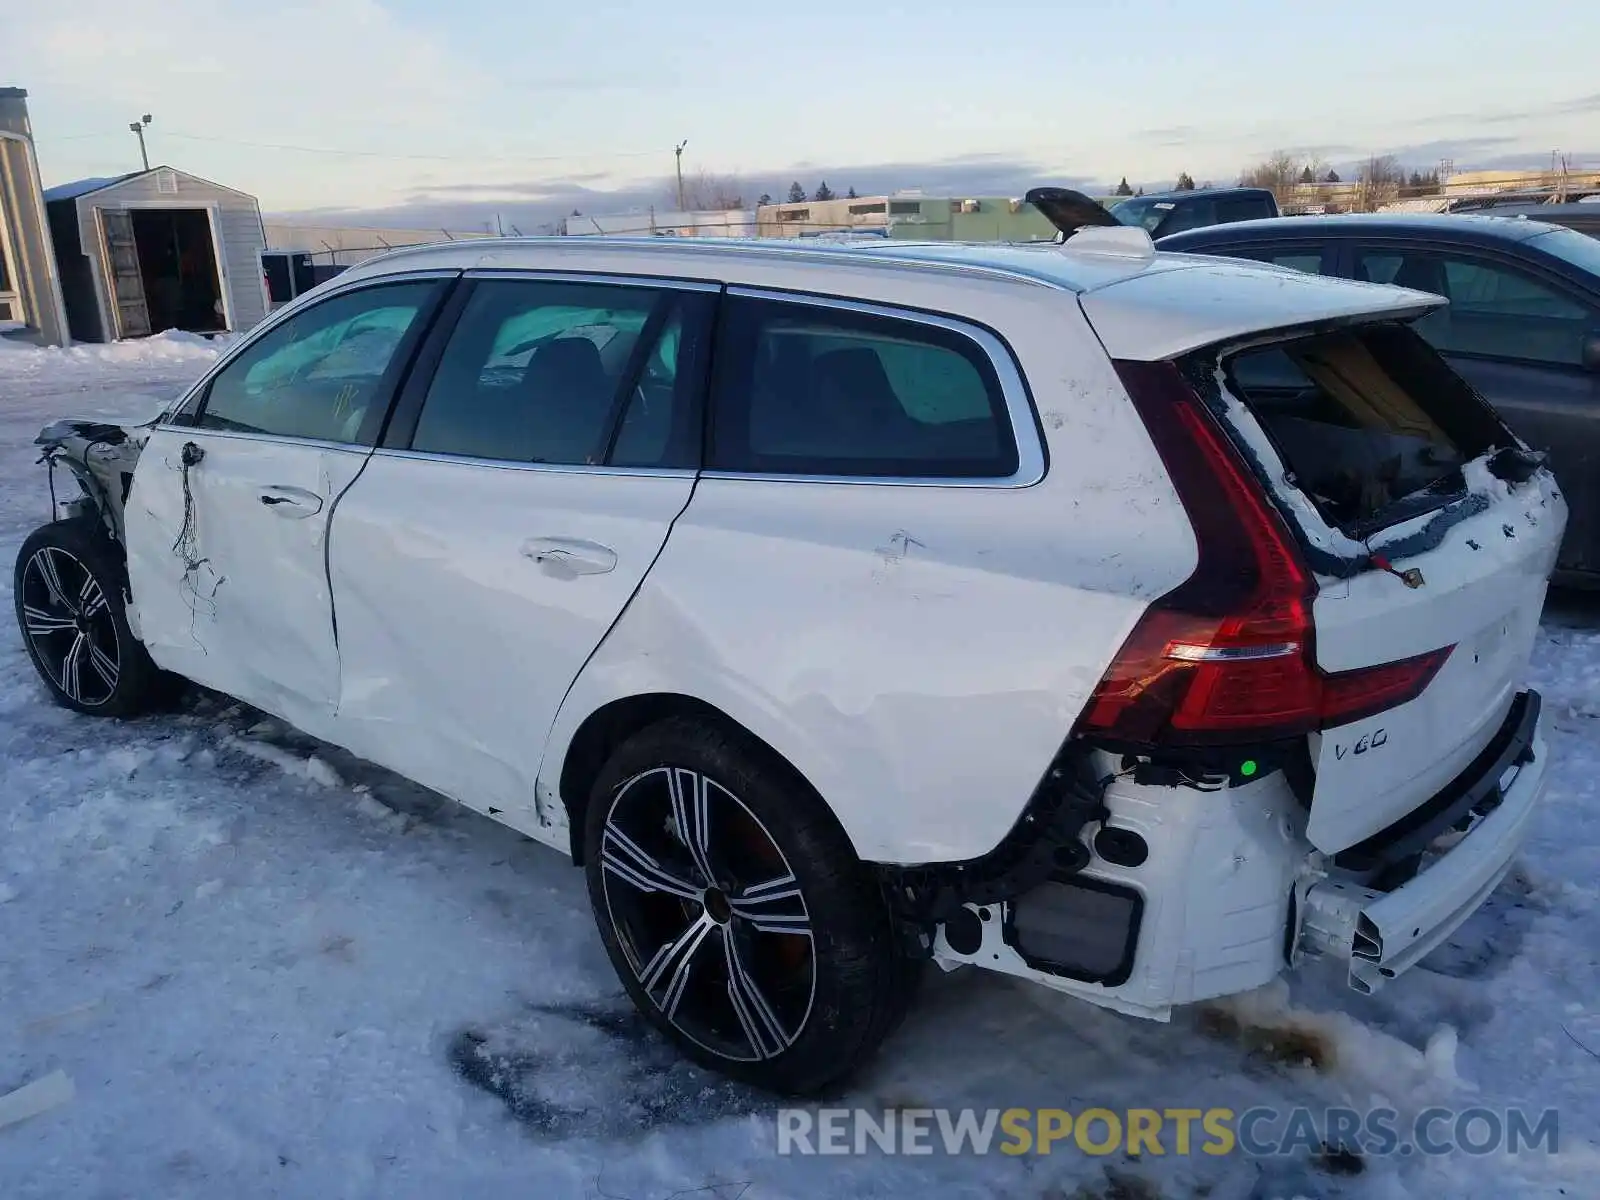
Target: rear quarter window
(805, 389)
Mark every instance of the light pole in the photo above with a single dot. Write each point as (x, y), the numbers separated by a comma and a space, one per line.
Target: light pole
(679, 153)
(138, 128)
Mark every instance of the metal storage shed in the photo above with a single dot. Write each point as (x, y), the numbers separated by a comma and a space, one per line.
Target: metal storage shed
(156, 250)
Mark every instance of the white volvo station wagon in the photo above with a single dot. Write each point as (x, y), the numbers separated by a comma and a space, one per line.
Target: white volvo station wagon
(1133, 623)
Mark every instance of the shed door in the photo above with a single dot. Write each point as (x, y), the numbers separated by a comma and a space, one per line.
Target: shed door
(127, 284)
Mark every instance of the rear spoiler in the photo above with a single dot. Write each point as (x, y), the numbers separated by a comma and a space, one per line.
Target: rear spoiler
(1067, 210)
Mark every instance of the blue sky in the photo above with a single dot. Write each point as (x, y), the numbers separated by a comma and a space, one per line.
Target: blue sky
(464, 108)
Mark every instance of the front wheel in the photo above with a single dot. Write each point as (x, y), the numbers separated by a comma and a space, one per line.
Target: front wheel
(68, 587)
(736, 913)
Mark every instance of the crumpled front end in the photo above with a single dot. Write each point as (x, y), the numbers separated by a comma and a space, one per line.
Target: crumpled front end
(101, 457)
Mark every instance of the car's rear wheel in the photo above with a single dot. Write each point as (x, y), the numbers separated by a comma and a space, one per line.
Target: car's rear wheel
(68, 588)
(736, 913)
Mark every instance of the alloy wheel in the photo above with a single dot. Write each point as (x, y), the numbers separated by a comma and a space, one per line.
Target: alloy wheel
(68, 622)
(708, 913)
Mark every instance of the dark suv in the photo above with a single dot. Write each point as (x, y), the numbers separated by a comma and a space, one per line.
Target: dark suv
(1173, 212)
(1523, 325)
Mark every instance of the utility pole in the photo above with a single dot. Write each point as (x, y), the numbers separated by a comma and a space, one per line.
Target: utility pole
(138, 128)
(679, 154)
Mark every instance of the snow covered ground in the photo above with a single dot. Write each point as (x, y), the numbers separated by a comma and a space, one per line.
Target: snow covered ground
(268, 970)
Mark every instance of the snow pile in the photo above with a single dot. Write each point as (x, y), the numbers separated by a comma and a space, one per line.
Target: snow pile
(172, 347)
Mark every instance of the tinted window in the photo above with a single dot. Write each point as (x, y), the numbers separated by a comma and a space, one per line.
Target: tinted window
(806, 390)
(1189, 214)
(1242, 208)
(538, 372)
(1581, 249)
(325, 373)
(1309, 261)
(1495, 311)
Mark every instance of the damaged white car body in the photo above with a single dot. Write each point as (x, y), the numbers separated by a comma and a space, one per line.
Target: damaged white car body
(1135, 624)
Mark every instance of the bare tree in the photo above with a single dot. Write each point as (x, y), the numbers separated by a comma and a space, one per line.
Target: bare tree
(1279, 173)
(704, 191)
(1378, 182)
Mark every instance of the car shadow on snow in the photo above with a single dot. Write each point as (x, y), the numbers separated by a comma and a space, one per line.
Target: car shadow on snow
(594, 1070)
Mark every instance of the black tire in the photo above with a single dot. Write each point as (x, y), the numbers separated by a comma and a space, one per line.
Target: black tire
(68, 584)
(833, 993)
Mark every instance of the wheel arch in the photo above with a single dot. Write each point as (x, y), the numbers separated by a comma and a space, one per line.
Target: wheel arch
(613, 723)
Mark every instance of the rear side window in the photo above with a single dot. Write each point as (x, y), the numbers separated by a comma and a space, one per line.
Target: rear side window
(807, 389)
(1495, 311)
(1242, 208)
(1307, 259)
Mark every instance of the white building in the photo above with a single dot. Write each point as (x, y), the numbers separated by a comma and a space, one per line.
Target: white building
(156, 250)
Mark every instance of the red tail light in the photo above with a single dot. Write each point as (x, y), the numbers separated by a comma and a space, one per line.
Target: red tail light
(1229, 655)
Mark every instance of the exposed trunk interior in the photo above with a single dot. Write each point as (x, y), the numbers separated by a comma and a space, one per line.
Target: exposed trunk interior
(178, 268)
(1370, 422)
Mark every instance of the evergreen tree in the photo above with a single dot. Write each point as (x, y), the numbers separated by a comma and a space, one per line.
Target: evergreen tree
(796, 192)
(823, 191)
(851, 195)
(1123, 189)
(1306, 176)
(1185, 182)
(1333, 177)
(763, 200)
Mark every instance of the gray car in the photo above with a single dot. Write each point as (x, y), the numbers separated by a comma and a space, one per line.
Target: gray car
(1523, 325)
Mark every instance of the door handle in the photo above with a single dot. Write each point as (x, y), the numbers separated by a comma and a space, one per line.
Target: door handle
(291, 501)
(567, 558)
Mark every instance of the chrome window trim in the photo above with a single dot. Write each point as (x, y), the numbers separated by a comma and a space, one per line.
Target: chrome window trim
(283, 439)
(251, 336)
(1013, 389)
(502, 464)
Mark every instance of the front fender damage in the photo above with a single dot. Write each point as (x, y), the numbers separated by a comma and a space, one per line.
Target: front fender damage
(101, 457)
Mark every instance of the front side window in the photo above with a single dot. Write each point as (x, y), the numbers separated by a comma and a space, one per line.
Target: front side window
(326, 372)
(544, 371)
(812, 390)
(1495, 311)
